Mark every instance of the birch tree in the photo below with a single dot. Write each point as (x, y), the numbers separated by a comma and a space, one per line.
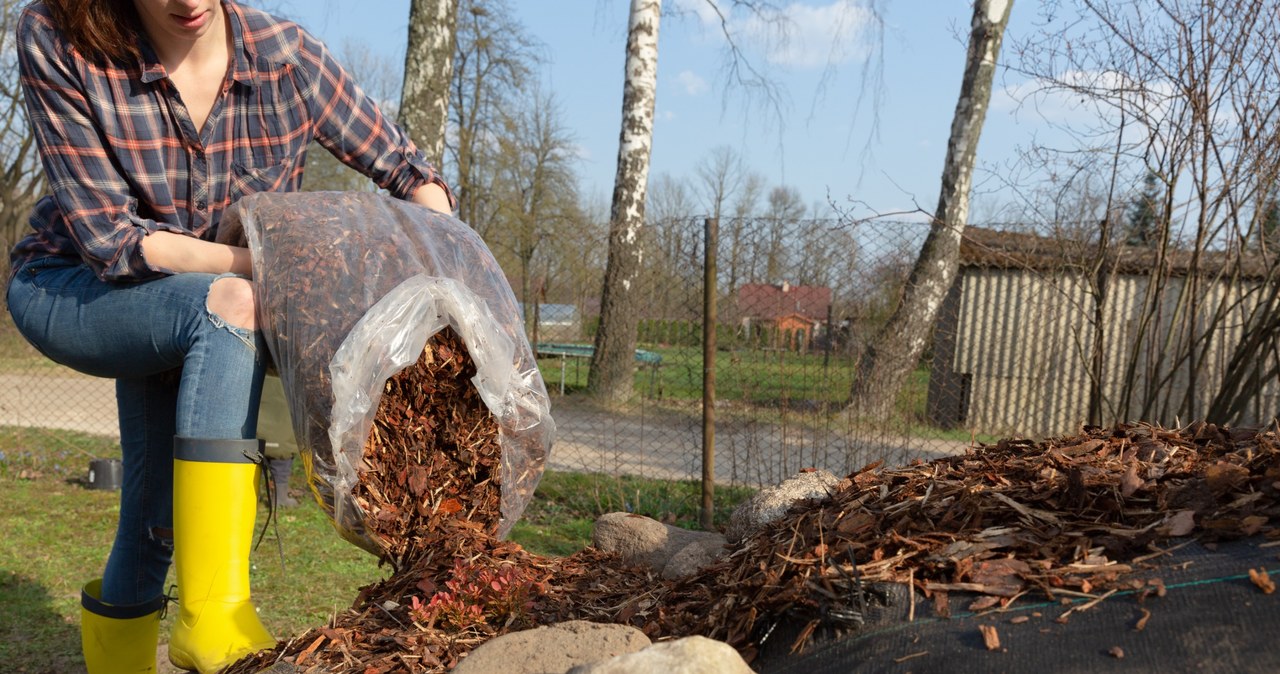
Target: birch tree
(893, 353)
(428, 70)
(613, 363)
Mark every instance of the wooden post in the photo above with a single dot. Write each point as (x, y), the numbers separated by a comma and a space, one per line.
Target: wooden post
(709, 375)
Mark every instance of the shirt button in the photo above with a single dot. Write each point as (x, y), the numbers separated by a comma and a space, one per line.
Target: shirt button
(201, 205)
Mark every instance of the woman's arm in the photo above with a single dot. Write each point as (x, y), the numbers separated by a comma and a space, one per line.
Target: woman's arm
(432, 196)
(351, 126)
(166, 250)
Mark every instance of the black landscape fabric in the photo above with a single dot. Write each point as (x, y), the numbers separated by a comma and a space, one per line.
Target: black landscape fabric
(1211, 618)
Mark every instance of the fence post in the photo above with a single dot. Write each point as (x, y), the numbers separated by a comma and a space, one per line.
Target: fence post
(709, 374)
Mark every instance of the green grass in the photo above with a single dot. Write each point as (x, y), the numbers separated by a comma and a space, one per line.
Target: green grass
(57, 534)
(806, 387)
(749, 375)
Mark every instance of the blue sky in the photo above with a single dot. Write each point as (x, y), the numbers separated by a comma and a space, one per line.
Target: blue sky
(826, 146)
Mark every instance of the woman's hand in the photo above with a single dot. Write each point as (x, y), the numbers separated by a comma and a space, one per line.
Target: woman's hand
(178, 253)
(432, 196)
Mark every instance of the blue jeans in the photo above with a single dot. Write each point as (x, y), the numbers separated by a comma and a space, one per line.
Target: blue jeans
(179, 370)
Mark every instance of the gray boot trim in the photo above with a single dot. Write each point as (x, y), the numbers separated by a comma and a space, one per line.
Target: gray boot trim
(91, 603)
(218, 450)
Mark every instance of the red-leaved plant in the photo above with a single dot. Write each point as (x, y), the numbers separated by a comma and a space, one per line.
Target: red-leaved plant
(476, 595)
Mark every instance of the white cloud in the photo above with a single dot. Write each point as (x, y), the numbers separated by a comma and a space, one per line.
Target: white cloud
(800, 35)
(813, 36)
(705, 10)
(691, 82)
(1065, 103)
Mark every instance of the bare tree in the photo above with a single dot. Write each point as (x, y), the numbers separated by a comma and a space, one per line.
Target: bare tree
(21, 176)
(1186, 96)
(671, 281)
(720, 173)
(894, 352)
(494, 60)
(428, 69)
(674, 245)
(539, 191)
(740, 230)
(783, 212)
(613, 364)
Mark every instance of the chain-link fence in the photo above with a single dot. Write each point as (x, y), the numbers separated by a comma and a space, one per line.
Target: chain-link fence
(1038, 336)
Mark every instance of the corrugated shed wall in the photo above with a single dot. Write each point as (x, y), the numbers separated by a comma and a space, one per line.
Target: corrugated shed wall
(1026, 339)
(1022, 337)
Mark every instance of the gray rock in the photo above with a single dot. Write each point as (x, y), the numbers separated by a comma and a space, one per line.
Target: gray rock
(694, 556)
(769, 505)
(644, 541)
(690, 655)
(552, 649)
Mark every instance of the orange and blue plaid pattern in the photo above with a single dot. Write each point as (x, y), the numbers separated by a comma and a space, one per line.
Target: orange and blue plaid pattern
(123, 158)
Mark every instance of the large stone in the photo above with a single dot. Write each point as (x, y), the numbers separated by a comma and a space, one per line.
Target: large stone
(645, 541)
(552, 649)
(690, 655)
(769, 505)
(694, 556)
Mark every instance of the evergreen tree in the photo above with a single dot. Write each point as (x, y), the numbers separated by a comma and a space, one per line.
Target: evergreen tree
(1143, 226)
(1269, 223)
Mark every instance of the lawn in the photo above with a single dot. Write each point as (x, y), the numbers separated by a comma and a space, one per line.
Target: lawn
(57, 533)
(806, 387)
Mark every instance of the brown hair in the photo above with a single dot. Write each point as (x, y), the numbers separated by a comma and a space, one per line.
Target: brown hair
(99, 29)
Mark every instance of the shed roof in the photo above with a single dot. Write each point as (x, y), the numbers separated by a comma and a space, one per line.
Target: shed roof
(988, 248)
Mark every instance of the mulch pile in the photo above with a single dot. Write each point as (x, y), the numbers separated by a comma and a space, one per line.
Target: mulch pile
(1066, 517)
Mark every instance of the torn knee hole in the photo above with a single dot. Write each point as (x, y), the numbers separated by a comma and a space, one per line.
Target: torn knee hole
(231, 299)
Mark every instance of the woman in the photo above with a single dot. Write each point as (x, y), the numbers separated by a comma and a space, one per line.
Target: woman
(152, 117)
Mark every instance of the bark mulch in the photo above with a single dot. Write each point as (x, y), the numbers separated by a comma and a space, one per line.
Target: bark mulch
(1066, 517)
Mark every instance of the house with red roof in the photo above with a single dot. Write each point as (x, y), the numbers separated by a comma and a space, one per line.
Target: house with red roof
(790, 316)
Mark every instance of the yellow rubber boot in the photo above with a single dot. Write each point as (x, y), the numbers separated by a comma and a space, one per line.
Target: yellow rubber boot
(214, 505)
(118, 639)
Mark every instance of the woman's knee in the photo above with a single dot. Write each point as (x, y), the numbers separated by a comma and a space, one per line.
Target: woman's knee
(231, 299)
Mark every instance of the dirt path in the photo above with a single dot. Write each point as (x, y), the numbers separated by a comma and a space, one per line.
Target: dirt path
(647, 441)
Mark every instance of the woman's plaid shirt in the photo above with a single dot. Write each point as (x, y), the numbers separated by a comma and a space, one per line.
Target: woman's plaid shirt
(124, 159)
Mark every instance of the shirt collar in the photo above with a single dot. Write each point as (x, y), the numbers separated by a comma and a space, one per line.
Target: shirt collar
(242, 68)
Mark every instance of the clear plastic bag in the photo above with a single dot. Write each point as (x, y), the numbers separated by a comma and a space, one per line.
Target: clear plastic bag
(351, 285)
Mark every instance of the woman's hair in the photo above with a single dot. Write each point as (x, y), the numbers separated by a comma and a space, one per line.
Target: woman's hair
(99, 29)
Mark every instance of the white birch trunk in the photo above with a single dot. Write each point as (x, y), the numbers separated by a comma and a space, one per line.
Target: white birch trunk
(613, 364)
(895, 350)
(428, 67)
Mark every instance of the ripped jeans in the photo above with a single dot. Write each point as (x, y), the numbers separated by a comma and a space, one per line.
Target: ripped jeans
(179, 370)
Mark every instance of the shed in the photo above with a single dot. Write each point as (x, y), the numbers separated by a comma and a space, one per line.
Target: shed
(1038, 333)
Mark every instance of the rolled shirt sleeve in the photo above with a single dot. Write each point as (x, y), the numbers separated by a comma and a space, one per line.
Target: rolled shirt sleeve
(90, 195)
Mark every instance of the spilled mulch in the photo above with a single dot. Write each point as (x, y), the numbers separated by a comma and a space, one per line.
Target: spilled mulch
(1072, 516)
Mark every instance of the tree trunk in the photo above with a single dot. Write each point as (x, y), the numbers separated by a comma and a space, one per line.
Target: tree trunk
(428, 67)
(893, 353)
(613, 363)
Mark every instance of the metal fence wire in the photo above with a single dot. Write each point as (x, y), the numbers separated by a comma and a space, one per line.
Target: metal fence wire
(1038, 336)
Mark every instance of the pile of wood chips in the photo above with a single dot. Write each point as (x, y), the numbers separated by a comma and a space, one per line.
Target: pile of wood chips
(1063, 517)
